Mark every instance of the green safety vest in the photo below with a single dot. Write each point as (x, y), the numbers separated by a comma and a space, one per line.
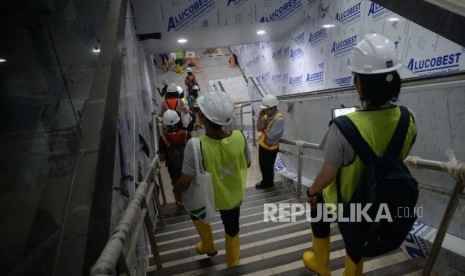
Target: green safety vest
(225, 160)
(376, 127)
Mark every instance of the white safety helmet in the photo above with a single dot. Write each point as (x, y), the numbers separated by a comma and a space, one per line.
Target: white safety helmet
(170, 117)
(189, 70)
(172, 88)
(217, 107)
(180, 90)
(195, 87)
(269, 101)
(375, 54)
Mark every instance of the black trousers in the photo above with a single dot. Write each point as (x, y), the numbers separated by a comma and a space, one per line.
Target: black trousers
(230, 220)
(266, 160)
(321, 229)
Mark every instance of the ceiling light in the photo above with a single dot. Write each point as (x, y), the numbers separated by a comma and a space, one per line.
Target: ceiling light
(2, 60)
(261, 32)
(182, 40)
(393, 19)
(328, 26)
(96, 49)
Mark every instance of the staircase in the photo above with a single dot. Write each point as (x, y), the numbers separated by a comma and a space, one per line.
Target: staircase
(267, 248)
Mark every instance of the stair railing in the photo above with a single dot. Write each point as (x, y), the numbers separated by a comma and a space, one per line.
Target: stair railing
(136, 214)
(453, 167)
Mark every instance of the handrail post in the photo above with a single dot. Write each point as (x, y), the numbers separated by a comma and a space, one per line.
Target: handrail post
(242, 116)
(300, 146)
(156, 134)
(437, 244)
(254, 128)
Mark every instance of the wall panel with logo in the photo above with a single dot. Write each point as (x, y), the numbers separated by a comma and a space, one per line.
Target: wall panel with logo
(313, 57)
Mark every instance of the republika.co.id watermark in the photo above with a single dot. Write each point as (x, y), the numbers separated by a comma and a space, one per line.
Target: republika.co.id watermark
(328, 212)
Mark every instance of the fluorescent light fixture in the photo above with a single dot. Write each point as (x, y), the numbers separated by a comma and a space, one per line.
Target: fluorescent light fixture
(2, 60)
(261, 32)
(96, 49)
(393, 19)
(182, 40)
(328, 26)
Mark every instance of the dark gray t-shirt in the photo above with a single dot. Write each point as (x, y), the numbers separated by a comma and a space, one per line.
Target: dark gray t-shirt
(338, 151)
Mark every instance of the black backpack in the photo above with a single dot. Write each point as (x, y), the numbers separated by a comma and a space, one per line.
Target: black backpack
(385, 179)
(175, 154)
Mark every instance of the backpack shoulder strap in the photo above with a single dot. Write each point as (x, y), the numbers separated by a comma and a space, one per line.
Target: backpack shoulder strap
(397, 140)
(355, 139)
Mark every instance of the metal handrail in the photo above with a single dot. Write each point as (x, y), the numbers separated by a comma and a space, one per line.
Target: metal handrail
(136, 213)
(453, 167)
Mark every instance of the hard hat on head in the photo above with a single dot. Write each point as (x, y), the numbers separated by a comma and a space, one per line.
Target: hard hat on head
(217, 107)
(179, 90)
(195, 87)
(375, 54)
(269, 101)
(172, 88)
(170, 118)
(189, 70)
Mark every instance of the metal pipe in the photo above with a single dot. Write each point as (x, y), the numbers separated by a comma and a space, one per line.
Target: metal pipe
(106, 263)
(241, 117)
(299, 170)
(135, 237)
(150, 233)
(304, 144)
(254, 129)
(437, 244)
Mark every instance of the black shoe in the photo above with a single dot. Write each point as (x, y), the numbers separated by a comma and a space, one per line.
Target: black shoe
(260, 186)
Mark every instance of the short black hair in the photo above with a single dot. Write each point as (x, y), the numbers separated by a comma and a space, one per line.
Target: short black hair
(210, 123)
(379, 89)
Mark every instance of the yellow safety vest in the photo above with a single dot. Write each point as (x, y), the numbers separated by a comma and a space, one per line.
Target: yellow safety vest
(225, 160)
(384, 121)
(262, 138)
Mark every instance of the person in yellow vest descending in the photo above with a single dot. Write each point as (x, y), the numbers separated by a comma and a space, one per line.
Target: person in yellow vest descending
(270, 123)
(374, 63)
(179, 62)
(226, 156)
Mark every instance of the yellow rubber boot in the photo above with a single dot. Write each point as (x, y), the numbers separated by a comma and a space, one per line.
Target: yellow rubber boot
(181, 69)
(232, 250)
(206, 245)
(318, 260)
(353, 269)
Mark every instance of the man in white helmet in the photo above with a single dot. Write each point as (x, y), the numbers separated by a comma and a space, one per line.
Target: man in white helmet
(171, 145)
(190, 79)
(270, 123)
(374, 63)
(225, 155)
(172, 101)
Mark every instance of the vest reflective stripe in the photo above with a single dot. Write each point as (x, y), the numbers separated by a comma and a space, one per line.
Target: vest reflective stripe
(384, 121)
(225, 160)
(262, 138)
